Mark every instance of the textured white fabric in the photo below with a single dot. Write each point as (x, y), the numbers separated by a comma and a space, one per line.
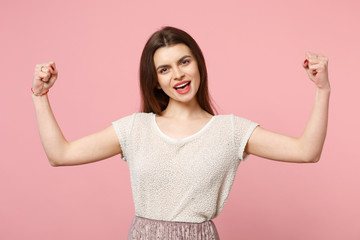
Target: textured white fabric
(184, 180)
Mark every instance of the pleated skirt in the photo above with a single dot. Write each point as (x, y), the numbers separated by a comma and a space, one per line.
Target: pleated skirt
(149, 229)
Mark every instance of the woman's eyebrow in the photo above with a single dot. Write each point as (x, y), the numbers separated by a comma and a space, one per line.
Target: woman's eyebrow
(162, 66)
(166, 65)
(181, 59)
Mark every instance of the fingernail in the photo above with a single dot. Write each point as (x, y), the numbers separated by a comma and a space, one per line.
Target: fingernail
(306, 61)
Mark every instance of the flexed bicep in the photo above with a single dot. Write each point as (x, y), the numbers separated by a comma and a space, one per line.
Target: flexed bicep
(92, 148)
(275, 146)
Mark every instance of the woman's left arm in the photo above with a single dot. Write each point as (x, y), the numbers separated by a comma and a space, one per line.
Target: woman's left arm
(308, 147)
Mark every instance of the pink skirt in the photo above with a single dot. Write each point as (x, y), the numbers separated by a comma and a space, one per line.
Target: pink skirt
(149, 229)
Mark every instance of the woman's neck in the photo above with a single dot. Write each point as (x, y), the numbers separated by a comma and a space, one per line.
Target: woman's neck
(182, 110)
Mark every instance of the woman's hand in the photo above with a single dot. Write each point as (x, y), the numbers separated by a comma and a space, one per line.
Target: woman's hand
(316, 66)
(308, 147)
(45, 75)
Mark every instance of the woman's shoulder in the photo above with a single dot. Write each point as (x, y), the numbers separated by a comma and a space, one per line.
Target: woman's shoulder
(143, 115)
(138, 115)
(136, 118)
(223, 119)
(230, 116)
(225, 116)
(234, 118)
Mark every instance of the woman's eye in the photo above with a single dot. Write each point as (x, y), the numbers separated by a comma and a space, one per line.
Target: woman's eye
(163, 70)
(186, 61)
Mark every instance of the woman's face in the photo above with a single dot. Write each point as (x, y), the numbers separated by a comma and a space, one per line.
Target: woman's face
(177, 72)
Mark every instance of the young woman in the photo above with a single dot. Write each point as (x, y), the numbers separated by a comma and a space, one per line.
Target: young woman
(182, 157)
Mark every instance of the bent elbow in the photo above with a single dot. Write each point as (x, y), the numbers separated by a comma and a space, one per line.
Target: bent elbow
(312, 159)
(54, 162)
(316, 159)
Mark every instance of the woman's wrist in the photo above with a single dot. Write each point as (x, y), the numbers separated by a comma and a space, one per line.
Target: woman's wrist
(42, 98)
(326, 88)
(323, 93)
(38, 94)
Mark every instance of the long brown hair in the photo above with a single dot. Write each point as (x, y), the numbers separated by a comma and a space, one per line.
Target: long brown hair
(155, 100)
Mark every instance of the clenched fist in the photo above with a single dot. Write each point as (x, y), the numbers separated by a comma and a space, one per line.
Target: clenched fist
(45, 75)
(316, 66)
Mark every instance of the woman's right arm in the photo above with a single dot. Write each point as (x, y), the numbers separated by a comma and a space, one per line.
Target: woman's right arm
(60, 152)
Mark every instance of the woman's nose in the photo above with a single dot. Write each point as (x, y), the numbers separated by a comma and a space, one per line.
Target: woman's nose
(178, 74)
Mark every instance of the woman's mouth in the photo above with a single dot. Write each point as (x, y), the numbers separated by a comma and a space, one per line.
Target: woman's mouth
(183, 88)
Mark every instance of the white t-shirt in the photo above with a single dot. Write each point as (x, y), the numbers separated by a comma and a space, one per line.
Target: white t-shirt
(183, 180)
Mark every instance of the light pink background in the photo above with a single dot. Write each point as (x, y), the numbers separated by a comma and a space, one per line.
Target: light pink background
(254, 51)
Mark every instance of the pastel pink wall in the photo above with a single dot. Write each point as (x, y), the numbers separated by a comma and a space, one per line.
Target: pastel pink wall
(254, 51)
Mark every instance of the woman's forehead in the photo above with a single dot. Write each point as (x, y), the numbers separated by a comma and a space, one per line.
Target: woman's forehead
(171, 53)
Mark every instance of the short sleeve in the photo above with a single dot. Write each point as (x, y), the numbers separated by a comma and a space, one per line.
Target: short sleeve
(242, 129)
(123, 128)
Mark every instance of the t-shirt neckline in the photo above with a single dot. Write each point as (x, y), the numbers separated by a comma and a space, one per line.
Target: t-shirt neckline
(180, 140)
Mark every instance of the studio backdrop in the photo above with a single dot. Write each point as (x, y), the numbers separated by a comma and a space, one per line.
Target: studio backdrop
(254, 52)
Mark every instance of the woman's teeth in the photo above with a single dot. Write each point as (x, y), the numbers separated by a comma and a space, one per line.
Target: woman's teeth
(182, 85)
